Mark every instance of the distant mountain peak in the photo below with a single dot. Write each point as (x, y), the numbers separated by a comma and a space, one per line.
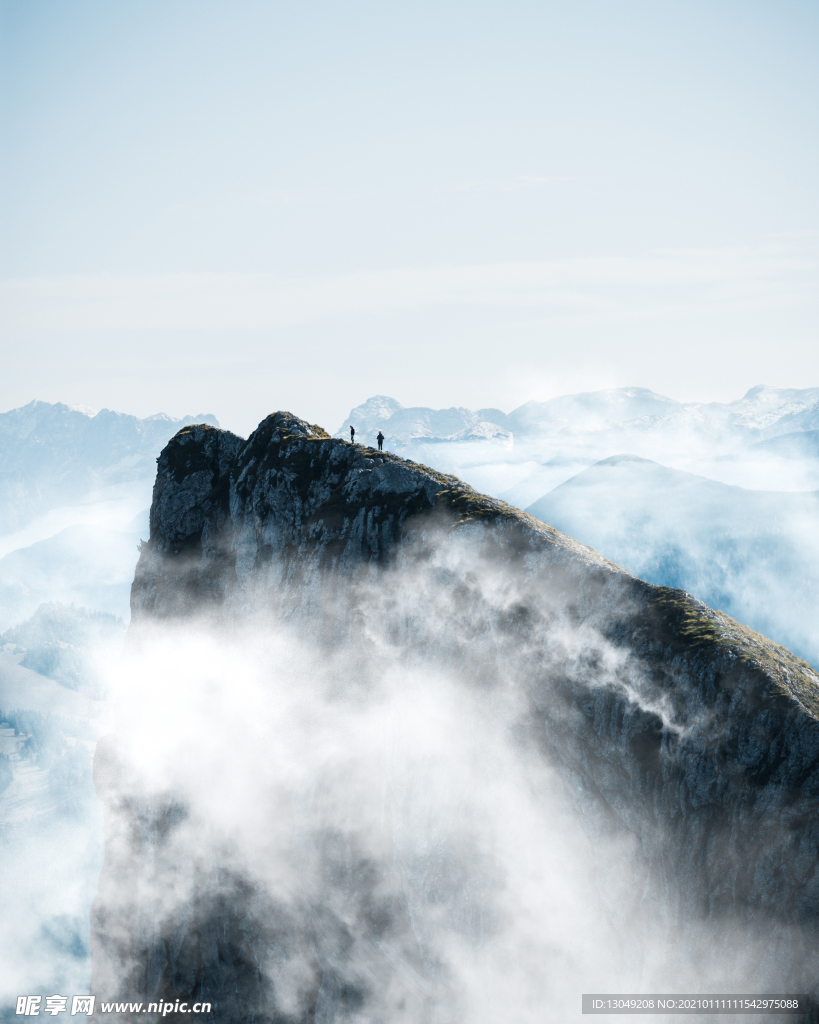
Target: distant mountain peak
(619, 460)
(85, 410)
(52, 453)
(625, 418)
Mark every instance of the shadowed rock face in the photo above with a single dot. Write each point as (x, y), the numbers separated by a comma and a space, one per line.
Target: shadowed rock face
(672, 726)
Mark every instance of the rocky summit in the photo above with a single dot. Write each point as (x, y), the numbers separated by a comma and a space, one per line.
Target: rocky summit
(678, 735)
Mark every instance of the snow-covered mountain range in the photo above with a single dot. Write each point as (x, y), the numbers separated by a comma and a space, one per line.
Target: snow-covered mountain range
(601, 419)
(53, 454)
(757, 441)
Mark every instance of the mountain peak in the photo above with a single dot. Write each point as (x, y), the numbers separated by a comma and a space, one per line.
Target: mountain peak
(318, 495)
(672, 727)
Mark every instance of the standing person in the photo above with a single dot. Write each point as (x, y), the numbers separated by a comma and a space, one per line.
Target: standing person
(352, 434)
(380, 440)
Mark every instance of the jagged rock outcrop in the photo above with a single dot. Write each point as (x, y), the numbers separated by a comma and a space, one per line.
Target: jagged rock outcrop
(670, 724)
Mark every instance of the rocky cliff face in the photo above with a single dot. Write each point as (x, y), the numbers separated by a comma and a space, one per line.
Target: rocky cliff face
(675, 730)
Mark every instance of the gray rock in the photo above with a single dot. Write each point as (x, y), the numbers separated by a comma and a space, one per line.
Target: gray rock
(671, 725)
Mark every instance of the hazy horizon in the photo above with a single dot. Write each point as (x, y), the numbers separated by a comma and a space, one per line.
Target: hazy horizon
(255, 207)
(249, 424)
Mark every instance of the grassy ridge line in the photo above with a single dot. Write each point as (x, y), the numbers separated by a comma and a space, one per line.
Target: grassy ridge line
(688, 620)
(704, 628)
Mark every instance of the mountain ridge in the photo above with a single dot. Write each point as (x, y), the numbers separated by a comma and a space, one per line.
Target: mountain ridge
(455, 496)
(53, 453)
(442, 492)
(761, 413)
(671, 723)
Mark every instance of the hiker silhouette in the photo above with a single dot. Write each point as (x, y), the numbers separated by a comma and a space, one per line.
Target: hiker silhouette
(380, 440)
(352, 433)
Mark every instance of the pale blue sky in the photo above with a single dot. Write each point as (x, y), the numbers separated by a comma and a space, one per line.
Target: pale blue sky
(236, 206)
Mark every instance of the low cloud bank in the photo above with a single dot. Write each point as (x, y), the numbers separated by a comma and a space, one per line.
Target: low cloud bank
(384, 811)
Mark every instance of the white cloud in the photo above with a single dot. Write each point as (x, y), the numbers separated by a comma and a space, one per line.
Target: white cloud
(615, 287)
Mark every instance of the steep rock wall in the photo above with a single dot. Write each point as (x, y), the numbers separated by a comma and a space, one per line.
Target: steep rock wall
(671, 724)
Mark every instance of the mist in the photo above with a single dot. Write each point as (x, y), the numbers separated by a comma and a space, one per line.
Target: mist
(392, 780)
(388, 791)
(752, 553)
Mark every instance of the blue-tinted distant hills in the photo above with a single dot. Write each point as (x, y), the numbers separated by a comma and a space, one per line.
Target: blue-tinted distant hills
(602, 420)
(72, 487)
(753, 554)
(802, 444)
(67, 644)
(420, 424)
(765, 440)
(91, 566)
(53, 454)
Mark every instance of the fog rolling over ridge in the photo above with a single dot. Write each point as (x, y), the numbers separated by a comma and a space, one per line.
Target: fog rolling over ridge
(77, 498)
(746, 552)
(719, 499)
(388, 749)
